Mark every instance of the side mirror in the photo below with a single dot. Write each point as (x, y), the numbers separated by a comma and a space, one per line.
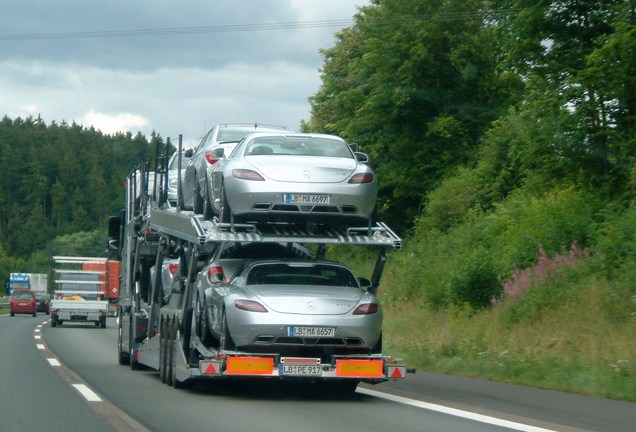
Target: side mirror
(361, 157)
(113, 245)
(365, 283)
(188, 153)
(114, 227)
(218, 152)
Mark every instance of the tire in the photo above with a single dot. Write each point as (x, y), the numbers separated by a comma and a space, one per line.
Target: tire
(225, 343)
(134, 364)
(377, 349)
(122, 357)
(202, 326)
(102, 322)
(162, 351)
(342, 387)
(207, 205)
(54, 322)
(171, 348)
(197, 204)
(12, 313)
(225, 212)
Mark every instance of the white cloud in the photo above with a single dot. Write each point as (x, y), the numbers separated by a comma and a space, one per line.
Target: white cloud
(171, 84)
(112, 123)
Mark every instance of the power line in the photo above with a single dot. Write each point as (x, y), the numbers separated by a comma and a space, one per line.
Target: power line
(252, 27)
(176, 30)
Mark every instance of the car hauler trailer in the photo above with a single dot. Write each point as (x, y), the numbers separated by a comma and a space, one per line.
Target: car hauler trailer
(160, 333)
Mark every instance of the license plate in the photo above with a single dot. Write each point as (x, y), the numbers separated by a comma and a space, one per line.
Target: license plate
(299, 370)
(311, 331)
(306, 199)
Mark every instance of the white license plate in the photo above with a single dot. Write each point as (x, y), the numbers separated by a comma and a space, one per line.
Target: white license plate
(299, 370)
(306, 199)
(311, 331)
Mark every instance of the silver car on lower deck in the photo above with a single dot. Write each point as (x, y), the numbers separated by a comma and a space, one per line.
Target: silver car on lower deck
(296, 308)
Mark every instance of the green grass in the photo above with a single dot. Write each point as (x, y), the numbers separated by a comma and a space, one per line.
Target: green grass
(576, 347)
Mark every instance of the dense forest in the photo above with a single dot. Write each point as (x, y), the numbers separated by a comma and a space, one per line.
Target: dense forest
(59, 184)
(504, 137)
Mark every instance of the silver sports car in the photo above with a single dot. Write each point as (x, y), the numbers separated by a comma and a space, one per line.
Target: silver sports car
(272, 177)
(295, 308)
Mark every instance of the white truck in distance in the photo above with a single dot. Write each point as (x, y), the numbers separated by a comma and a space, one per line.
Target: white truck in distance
(79, 297)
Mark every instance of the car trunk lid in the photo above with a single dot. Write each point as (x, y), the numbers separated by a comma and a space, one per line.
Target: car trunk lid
(304, 169)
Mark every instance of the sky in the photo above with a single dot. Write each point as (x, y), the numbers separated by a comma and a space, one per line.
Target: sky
(165, 66)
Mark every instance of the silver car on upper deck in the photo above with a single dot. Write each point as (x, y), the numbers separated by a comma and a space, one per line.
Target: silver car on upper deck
(303, 178)
(219, 140)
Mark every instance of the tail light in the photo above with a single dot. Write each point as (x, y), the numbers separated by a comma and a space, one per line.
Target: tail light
(210, 158)
(215, 274)
(172, 267)
(361, 178)
(245, 174)
(249, 305)
(367, 309)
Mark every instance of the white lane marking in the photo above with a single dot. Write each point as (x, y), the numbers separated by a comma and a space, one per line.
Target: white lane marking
(40, 346)
(88, 394)
(37, 337)
(53, 362)
(455, 412)
(37, 330)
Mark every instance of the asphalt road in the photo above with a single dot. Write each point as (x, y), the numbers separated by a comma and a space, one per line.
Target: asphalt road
(90, 391)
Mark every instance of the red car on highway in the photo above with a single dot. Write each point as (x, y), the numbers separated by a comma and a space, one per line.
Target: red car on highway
(22, 302)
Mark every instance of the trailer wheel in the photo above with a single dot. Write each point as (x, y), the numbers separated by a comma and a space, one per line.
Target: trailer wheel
(171, 345)
(134, 364)
(162, 351)
(122, 356)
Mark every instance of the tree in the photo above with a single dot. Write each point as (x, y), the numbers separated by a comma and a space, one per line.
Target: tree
(416, 91)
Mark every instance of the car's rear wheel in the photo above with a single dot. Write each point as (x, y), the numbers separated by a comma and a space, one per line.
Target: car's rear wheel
(197, 206)
(225, 213)
(207, 205)
(202, 327)
(225, 343)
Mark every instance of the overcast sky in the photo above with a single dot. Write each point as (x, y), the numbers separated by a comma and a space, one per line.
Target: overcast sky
(200, 62)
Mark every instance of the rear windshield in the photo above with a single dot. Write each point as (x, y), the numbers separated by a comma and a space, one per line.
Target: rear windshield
(80, 282)
(284, 274)
(298, 146)
(22, 295)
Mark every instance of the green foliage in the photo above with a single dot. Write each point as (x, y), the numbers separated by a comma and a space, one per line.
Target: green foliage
(60, 178)
(415, 93)
(468, 262)
(82, 243)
